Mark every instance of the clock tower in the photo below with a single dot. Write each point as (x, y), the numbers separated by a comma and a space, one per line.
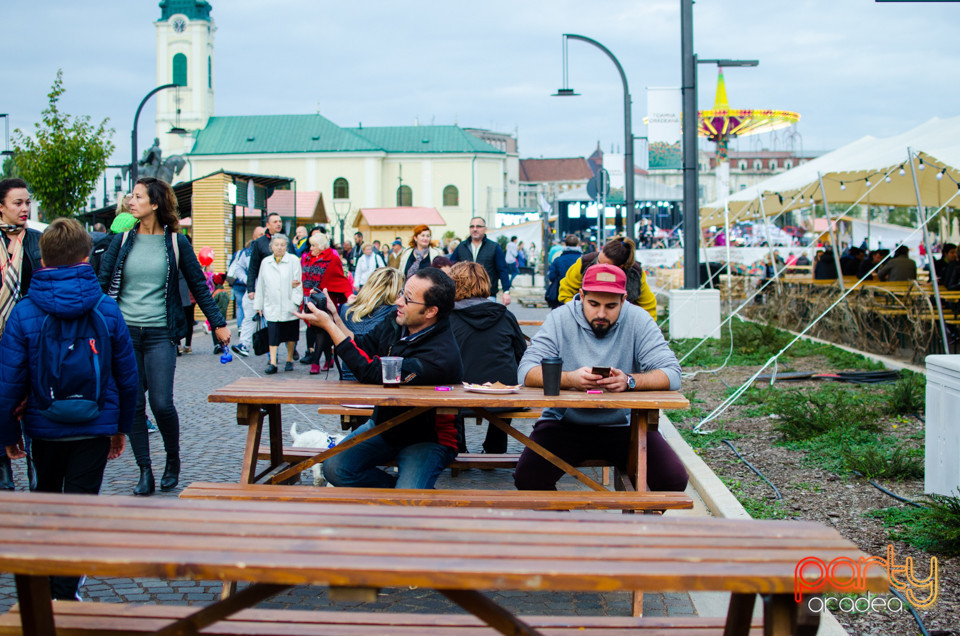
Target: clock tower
(184, 56)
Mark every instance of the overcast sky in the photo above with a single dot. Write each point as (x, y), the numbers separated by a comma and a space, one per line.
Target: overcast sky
(849, 67)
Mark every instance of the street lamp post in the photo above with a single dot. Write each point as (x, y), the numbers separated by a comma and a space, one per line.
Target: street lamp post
(628, 167)
(6, 135)
(133, 136)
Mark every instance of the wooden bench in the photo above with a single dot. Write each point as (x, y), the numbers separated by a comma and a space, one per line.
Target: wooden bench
(351, 417)
(131, 618)
(521, 499)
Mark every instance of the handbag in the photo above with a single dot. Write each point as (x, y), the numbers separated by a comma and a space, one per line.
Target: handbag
(261, 337)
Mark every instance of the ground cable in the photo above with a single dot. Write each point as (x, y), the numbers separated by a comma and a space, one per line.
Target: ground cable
(916, 617)
(887, 492)
(754, 469)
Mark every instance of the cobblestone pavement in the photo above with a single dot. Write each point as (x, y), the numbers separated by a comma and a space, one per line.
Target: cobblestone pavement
(211, 450)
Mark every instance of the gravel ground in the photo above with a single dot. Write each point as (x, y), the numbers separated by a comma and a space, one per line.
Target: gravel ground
(815, 494)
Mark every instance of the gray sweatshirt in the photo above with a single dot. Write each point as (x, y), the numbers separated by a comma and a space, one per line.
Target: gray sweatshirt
(634, 344)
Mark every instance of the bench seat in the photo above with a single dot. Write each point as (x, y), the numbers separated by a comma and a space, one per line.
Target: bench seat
(519, 499)
(84, 619)
(352, 417)
(462, 461)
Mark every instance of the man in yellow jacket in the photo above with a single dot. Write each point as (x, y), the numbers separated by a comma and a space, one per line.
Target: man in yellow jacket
(622, 253)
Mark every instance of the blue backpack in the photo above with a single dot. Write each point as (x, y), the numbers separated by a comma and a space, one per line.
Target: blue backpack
(73, 365)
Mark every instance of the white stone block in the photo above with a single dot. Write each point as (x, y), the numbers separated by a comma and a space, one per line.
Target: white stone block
(942, 456)
(694, 313)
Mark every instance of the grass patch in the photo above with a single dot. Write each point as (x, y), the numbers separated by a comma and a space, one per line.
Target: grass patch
(885, 461)
(844, 449)
(707, 440)
(908, 395)
(757, 508)
(935, 528)
(808, 414)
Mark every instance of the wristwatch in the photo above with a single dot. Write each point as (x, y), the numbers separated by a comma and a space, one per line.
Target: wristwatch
(631, 382)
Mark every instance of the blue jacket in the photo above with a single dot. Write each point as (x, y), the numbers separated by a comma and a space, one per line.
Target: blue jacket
(560, 265)
(111, 277)
(491, 257)
(65, 292)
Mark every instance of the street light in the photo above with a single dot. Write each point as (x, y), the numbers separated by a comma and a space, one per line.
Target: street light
(133, 136)
(6, 136)
(628, 168)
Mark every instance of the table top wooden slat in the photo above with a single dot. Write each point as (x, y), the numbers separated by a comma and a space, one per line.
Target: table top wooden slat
(313, 391)
(89, 537)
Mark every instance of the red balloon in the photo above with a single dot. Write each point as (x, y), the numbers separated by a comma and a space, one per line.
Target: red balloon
(206, 256)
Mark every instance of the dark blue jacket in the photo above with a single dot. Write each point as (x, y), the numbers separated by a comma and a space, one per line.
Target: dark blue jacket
(111, 276)
(560, 265)
(491, 257)
(65, 292)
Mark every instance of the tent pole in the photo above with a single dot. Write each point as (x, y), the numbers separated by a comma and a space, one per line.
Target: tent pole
(726, 229)
(773, 261)
(833, 236)
(922, 217)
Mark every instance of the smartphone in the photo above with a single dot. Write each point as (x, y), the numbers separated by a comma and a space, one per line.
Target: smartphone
(604, 371)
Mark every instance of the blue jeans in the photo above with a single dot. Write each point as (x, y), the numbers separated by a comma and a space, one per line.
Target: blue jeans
(156, 355)
(419, 464)
(238, 301)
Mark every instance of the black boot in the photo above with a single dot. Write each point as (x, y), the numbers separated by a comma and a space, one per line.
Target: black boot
(6, 473)
(171, 474)
(146, 485)
(31, 474)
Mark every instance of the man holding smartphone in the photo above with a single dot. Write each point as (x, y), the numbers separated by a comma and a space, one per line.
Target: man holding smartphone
(610, 345)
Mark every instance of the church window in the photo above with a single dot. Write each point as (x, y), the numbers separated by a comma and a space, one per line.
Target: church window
(451, 196)
(180, 69)
(209, 72)
(341, 188)
(404, 197)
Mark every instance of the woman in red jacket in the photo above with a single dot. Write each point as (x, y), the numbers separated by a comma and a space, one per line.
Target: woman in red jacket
(322, 270)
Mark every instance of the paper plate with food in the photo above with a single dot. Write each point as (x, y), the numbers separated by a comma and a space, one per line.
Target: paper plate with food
(492, 387)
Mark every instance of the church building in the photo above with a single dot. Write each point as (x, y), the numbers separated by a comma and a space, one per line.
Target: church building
(348, 168)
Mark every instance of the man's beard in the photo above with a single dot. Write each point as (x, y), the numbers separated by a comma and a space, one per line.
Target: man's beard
(600, 330)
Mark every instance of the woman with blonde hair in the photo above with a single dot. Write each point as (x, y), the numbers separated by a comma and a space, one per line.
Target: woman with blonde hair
(491, 342)
(420, 252)
(374, 304)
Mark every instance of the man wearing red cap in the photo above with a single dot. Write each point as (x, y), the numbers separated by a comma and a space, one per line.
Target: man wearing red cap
(597, 328)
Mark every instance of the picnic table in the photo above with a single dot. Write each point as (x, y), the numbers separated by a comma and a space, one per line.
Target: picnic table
(258, 399)
(357, 549)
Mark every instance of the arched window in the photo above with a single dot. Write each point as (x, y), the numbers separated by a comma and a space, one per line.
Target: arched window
(451, 196)
(404, 197)
(209, 72)
(180, 69)
(743, 165)
(341, 188)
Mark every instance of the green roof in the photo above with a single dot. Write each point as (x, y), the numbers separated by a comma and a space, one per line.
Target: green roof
(276, 133)
(193, 9)
(256, 134)
(424, 139)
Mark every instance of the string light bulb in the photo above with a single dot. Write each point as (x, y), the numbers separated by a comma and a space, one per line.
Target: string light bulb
(843, 186)
(921, 166)
(887, 179)
(868, 182)
(940, 174)
(902, 171)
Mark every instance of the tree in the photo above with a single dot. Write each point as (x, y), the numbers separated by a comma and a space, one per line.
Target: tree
(9, 169)
(63, 160)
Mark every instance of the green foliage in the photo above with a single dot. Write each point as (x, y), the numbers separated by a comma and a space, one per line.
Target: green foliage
(757, 508)
(8, 169)
(883, 461)
(807, 414)
(908, 395)
(706, 440)
(449, 234)
(935, 528)
(502, 240)
(64, 158)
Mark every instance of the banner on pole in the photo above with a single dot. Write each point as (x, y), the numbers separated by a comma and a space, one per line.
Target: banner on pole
(664, 107)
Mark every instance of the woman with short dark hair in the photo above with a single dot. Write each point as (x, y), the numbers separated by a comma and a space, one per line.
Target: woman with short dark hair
(141, 271)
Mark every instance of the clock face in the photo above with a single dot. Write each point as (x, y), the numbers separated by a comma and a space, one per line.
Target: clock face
(179, 25)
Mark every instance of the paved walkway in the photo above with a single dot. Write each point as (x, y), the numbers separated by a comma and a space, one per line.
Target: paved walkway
(211, 450)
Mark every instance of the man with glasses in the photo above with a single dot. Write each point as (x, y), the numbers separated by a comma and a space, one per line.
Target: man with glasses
(482, 250)
(419, 333)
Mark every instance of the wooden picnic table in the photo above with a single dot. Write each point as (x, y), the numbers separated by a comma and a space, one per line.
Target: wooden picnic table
(257, 398)
(357, 549)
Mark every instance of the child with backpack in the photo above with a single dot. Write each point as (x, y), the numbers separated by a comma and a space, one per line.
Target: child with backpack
(67, 350)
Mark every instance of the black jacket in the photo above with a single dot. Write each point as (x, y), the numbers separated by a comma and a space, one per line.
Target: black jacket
(491, 343)
(491, 257)
(430, 357)
(31, 258)
(259, 250)
(111, 277)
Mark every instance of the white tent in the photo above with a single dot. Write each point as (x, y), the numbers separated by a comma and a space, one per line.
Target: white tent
(867, 171)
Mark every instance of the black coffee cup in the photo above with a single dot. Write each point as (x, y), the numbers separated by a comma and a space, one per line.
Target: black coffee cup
(551, 368)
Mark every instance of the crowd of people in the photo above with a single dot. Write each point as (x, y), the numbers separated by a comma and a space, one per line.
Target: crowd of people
(125, 310)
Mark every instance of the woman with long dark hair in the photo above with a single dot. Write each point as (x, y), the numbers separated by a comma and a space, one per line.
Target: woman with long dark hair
(617, 251)
(141, 271)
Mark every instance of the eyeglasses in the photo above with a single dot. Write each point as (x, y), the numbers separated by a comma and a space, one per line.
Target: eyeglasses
(473, 227)
(407, 301)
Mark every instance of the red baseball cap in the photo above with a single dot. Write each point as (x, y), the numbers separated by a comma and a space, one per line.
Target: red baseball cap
(604, 278)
